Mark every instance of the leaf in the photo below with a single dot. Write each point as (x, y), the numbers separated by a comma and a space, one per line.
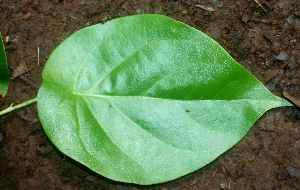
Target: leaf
(292, 99)
(4, 76)
(146, 99)
(21, 69)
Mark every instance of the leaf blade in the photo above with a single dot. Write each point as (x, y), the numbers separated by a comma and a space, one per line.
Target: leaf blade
(4, 76)
(154, 99)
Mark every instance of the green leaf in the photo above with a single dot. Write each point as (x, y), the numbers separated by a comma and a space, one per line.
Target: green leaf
(146, 99)
(4, 76)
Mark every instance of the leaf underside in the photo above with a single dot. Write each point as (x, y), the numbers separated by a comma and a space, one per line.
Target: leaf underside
(146, 99)
(4, 76)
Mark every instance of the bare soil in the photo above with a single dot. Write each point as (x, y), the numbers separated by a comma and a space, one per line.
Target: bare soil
(262, 38)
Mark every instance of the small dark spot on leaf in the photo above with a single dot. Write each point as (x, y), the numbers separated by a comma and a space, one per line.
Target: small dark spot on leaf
(187, 111)
(109, 106)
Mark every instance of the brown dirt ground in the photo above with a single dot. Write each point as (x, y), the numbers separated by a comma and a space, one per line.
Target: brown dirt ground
(266, 42)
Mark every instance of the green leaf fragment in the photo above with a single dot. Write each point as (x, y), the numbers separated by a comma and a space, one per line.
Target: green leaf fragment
(146, 99)
(4, 76)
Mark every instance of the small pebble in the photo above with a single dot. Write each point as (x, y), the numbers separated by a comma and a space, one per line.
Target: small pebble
(292, 171)
(82, 2)
(64, 25)
(27, 15)
(139, 11)
(174, 4)
(251, 158)
(282, 56)
(297, 112)
(24, 27)
(245, 18)
(297, 23)
(15, 9)
(43, 46)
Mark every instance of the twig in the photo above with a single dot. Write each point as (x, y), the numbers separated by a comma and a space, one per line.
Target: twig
(260, 5)
(211, 178)
(12, 108)
(206, 8)
(24, 78)
(202, 177)
(38, 56)
(72, 16)
(267, 37)
(194, 182)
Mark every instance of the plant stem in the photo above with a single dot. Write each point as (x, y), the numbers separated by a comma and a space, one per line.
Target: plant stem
(12, 108)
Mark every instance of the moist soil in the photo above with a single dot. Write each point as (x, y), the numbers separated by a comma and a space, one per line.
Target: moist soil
(263, 36)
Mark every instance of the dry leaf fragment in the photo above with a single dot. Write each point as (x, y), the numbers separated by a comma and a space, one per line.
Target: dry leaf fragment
(206, 8)
(6, 39)
(21, 69)
(291, 98)
(27, 15)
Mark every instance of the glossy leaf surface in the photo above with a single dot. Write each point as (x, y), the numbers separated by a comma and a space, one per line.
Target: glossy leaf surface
(4, 76)
(146, 99)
